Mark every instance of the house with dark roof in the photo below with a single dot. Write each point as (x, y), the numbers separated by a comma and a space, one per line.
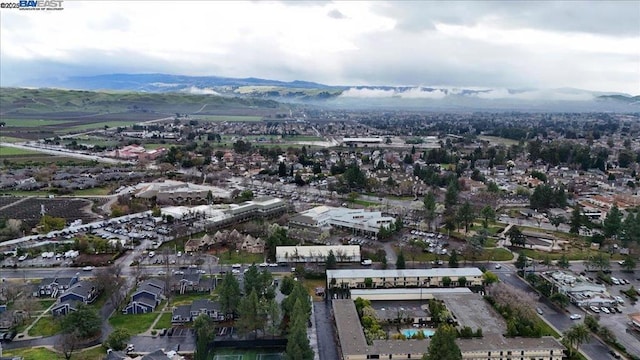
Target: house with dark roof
(84, 292)
(53, 287)
(191, 282)
(147, 296)
(187, 313)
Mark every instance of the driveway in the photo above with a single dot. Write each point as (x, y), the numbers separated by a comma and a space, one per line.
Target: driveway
(325, 331)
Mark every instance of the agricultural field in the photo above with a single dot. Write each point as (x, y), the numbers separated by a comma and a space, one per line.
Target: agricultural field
(226, 118)
(29, 210)
(31, 122)
(11, 151)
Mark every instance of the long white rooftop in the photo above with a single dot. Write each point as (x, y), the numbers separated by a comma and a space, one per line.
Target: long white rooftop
(395, 273)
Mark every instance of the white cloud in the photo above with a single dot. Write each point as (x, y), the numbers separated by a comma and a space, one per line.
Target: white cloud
(368, 93)
(341, 43)
(201, 91)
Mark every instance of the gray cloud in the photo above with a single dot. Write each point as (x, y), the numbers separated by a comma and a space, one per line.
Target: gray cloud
(336, 14)
(596, 17)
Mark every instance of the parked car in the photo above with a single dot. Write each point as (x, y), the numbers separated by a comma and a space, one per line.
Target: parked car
(539, 311)
(498, 266)
(595, 309)
(575, 317)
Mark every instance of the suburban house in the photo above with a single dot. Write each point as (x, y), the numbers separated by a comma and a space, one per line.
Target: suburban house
(187, 313)
(82, 292)
(147, 296)
(191, 282)
(52, 287)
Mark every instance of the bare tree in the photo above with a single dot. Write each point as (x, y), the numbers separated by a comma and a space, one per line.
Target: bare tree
(112, 283)
(68, 344)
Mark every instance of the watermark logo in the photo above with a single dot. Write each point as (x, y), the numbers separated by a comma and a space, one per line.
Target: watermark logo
(34, 5)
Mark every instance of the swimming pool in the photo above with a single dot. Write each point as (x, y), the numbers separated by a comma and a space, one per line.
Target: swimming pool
(411, 332)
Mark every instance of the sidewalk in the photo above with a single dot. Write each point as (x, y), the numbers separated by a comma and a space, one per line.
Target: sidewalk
(25, 332)
(313, 336)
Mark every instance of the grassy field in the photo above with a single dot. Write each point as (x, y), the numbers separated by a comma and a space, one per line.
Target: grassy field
(11, 139)
(164, 322)
(183, 299)
(498, 140)
(97, 125)
(31, 122)
(246, 354)
(365, 203)
(230, 257)
(92, 191)
(46, 326)
(11, 151)
(136, 324)
(302, 138)
(41, 353)
(311, 285)
(227, 118)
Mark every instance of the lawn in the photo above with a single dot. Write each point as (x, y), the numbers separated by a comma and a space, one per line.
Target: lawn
(183, 299)
(41, 353)
(164, 322)
(92, 191)
(45, 304)
(46, 326)
(11, 139)
(136, 324)
(311, 285)
(302, 138)
(246, 354)
(571, 255)
(365, 203)
(11, 151)
(498, 140)
(231, 257)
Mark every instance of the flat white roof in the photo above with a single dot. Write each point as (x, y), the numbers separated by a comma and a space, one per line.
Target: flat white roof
(374, 273)
(286, 253)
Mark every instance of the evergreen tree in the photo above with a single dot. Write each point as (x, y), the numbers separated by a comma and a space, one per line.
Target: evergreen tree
(400, 263)
(465, 215)
(429, 208)
(451, 196)
(488, 214)
(613, 222)
(453, 259)
(331, 260)
(576, 219)
(229, 293)
(443, 345)
(204, 329)
(282, 169)
(249, 312)
(298, 347)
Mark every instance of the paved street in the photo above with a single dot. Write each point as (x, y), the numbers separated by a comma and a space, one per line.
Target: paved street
(325, 331)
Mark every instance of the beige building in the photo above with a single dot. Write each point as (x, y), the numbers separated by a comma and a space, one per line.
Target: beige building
(358, 278)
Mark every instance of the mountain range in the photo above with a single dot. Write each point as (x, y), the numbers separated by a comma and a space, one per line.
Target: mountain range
(435, 98)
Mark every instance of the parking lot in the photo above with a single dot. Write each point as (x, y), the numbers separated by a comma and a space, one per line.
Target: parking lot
(473, 311)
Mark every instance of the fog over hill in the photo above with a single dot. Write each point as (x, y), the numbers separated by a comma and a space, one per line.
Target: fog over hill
(438, 98)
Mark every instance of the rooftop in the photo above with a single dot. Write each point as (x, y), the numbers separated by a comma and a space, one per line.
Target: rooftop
(391, 273)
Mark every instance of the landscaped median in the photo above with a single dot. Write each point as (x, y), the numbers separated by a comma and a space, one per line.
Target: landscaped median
(43, 353)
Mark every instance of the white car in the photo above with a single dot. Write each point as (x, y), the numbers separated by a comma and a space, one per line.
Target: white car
(498, 266)
(575, 316)
(235, 271)
(88, 268)
(605, 310)
(236, 266)
(263, 265)
(273, 265)
(595, 309)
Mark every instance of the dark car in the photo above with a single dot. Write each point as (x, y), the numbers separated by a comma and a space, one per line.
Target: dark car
(163, 332)
(9, 335)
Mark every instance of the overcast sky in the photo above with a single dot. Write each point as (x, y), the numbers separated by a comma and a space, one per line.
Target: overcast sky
(514, 44)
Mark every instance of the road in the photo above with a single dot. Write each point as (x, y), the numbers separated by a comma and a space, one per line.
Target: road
(325, 330)
(65, 153)
(593, 348)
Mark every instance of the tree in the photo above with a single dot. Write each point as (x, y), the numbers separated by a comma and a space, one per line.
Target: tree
(69, 342)
(282, 169)
(85, 322)
(576, 219)
(465, 215)
(462, 281)
(446, 281)
(249, 313)
(400, 263)
(118, 339)
(612, 224)
(488, 214)
(229, 294)
(287, 284)
(443, 345)
(516, 236)
(577, 334)
(521, 262)
(556, 220)
(563, 262)
(451, 196)
(274, 318)
(298, 347)
(629, 264)
(429, 208)
(490, 278)
(384, 263)
(331, 262)
(204, 330)
(453, 259)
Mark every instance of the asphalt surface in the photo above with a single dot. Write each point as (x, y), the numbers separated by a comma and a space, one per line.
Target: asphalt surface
(593, 348)
(325, 331)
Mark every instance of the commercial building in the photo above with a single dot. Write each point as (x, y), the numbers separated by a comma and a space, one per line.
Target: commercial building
(227, 214)
(353, 344)
(171, 191)
(358, 221)
(424, 278)
(580, 290)
(309, 254)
